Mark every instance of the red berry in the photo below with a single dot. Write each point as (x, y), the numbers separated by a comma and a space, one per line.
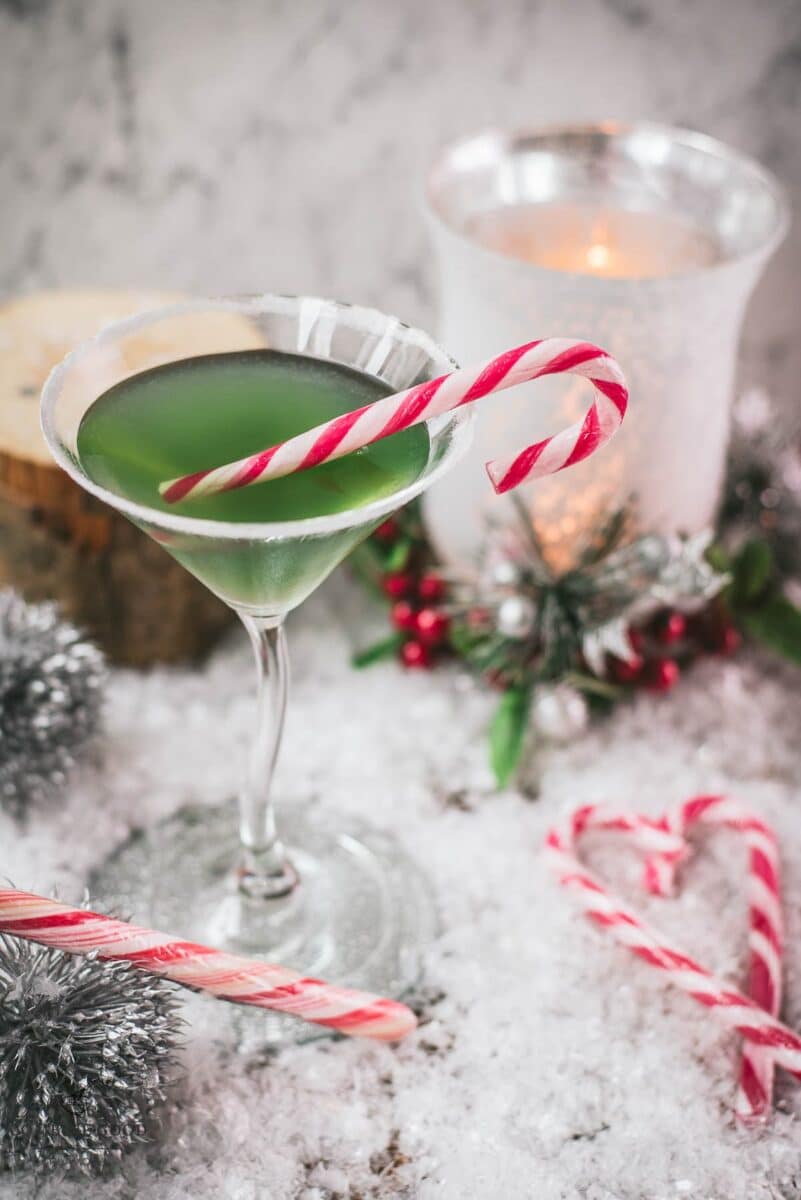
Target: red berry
(397, 584)
(431, 587)
(662, 675)
(415, 655)
(387, 531)
(728, 640)
(431, 626)
(403, 616)
(672, 629)
(627, 670)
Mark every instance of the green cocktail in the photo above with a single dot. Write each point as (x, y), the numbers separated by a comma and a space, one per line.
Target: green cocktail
(190, 387)
(199, 412)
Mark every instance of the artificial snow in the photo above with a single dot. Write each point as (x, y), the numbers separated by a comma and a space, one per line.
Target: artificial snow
(549, 1065)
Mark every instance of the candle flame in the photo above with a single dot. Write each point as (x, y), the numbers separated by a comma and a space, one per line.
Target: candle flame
(598, 256)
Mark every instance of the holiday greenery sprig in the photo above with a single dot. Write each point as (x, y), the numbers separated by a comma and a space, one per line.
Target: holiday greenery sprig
(631, 611)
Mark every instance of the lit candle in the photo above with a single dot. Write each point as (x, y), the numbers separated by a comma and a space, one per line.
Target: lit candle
(613, 243)
(644, 240)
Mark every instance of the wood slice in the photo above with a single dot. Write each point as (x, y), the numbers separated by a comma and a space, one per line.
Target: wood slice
(56, 541)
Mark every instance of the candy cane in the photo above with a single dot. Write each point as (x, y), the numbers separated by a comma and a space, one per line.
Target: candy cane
(768, 1041)
(227, 976)
(369, 424)
(766, 925)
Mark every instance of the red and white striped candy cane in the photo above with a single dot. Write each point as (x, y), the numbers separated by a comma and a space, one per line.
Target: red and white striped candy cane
(768, 1041)
(369, 424)
(766, 925)
(227, 976)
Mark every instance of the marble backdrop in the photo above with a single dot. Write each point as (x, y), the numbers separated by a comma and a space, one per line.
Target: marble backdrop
(269, 144)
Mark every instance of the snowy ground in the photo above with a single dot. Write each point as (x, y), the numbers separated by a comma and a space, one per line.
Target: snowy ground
(549, 1066)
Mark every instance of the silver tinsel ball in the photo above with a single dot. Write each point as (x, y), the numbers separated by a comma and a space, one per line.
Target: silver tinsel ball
(515, 617)
(85, 1051)
(50, 694)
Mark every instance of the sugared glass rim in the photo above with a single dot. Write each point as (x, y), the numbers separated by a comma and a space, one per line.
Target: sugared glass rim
(362, 319)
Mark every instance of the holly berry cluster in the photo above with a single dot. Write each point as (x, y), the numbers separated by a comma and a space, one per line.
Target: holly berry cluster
(415, 593)
(666, 644)
(431, 621)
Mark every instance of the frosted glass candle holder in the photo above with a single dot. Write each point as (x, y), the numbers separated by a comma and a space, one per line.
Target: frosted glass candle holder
(644, 239)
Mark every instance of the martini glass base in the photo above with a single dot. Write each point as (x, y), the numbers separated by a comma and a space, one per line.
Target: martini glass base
(361, 914)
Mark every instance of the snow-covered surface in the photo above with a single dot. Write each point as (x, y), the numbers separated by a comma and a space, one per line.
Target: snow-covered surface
(549, 1064)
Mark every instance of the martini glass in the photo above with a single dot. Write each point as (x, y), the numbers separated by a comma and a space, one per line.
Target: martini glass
(324, 895)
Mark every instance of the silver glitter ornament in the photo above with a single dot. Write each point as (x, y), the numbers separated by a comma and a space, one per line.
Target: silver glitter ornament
(86, 1049)
(516, 616)
(50, 694)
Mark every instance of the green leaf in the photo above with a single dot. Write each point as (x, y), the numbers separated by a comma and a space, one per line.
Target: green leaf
(465, 640)
(752, 572)
(507, 733)
(398, 556)
(777, 624)
(718, 559)
(373, 654)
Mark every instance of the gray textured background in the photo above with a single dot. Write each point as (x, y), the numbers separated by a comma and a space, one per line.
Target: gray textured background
(269, 144)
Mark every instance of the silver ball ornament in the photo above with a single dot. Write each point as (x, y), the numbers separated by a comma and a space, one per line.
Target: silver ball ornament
(51, 681)
(516, 617)
(87, 1049)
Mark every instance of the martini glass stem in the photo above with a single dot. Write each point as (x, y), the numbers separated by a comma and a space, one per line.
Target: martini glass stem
(265, 871)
